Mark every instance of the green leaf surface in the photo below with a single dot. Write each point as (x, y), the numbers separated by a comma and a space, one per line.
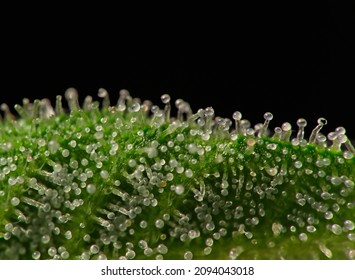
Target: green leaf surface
(121, 183)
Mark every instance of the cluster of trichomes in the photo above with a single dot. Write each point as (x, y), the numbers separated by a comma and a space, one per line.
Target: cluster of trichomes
(131, 182)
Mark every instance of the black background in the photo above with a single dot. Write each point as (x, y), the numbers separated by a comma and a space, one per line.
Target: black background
(294, 61)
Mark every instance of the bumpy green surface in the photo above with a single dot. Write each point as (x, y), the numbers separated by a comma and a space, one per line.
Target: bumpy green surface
(97, 184)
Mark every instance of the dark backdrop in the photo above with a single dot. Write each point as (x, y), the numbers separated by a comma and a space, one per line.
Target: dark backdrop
(292, 61)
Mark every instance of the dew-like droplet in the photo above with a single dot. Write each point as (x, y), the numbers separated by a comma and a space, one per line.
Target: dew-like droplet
(36, 255)
(349, 183)
(52, 251)
(90, 188)
(188, 173)
(65, 255)
(188, 255)
(336, 229)
(85, 255)
(328, 215)
(94, 249)
(303, 237)
(143, 224)
(65, 153)
(143, 244)
(68, 234)
(15, 201)
(272, 171)
(45, 239)
(209, 242)
(12, 180)
(57, 167)
(179, 189)
(298, 164)
(104, 174)
(207, 251)
(159, 223)
(87, 238)
(349, 225)
(9, 227)
(311, 228)
(348, 155)
(162, 249)
(148, 252)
